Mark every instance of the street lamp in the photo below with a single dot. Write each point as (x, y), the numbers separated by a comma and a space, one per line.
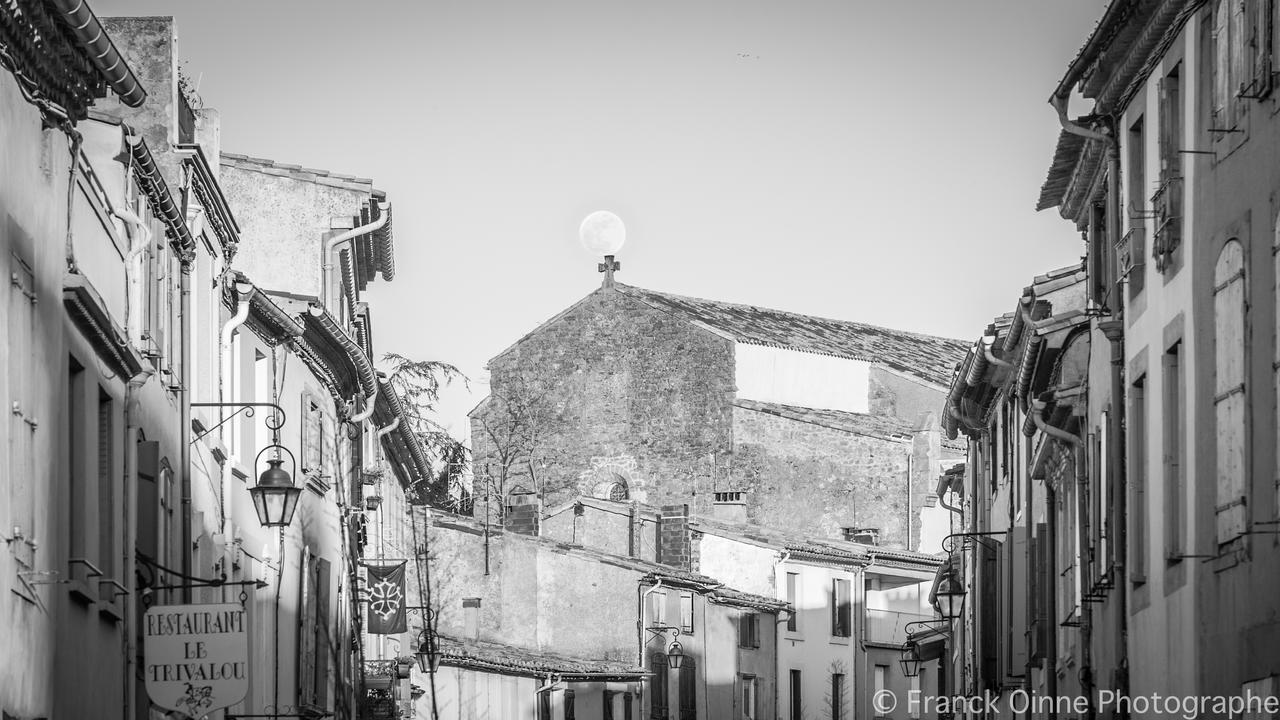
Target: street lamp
(428, 654)
(950, 596)
(275, 497)
(910, 660)
(675, 654)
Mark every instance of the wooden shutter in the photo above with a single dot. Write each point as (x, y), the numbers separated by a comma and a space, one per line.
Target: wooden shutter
(1229, 390)
(660, 702)
(688, 689)
(323, 642)
(1221, 62)
(1262, 39)
(306, 631)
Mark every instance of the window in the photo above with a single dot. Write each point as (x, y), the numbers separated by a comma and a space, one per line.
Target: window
(626, 706)
(1173, 434)
(1137, 424)
(841, 612)
(313, 671)
(570, 712)
(657, 608)
(22, 386)
(749, 630)
(750, 707)
(661, 697)
(106, 485)
(686, 613)
(1167, 201)
(837, 695)
(688, 689)
(1102, 274)
(797, 707)
(607, 713)
(1229, 390)
(77, 493)
(1133, 250)
(263, 392)
(880, 680)
(793, 599)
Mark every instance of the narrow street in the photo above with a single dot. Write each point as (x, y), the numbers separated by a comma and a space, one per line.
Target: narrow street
(732, 361)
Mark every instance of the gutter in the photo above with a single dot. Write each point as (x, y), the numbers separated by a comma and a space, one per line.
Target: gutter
(157, 191)
(326, 257)
(365, 374)
(102, 52)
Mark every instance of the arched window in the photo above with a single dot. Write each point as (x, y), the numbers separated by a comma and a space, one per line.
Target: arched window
(618, 491)
(1229, 391)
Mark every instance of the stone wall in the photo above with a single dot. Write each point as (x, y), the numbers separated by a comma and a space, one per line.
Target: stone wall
(610, 390)
(817, 480)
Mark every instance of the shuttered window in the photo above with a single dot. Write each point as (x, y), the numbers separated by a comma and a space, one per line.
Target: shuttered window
(688, 689)
(1138, 524)
(1230, 394)
(749, 630)
(1174, 450)
(658, 666)
(841, 612)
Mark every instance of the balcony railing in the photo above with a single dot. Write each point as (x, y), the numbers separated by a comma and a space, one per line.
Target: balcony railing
(890, 626)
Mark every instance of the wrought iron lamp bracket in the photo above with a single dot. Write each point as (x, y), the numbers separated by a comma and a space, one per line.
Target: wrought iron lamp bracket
(274, 422)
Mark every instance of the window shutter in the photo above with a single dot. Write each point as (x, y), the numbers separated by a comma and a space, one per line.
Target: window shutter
(659, 704)
(324, 648)
(755, 630)
(1229, 390)
(1262, 46)
(688, 688)
(1221, 61)
(306, 632)
(1238, 43)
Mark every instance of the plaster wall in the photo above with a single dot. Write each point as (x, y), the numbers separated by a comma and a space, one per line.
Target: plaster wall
(790, 377)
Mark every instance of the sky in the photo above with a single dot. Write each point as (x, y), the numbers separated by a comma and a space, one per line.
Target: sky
(867, 160)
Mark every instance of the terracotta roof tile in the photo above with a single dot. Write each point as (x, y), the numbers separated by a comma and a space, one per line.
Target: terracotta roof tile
(927, 357)
(878, 426)
(511, 660)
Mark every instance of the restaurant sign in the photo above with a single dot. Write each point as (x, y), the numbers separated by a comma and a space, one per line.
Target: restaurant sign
(197, 657)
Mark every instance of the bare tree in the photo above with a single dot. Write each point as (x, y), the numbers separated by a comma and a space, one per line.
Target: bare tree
(516, 426)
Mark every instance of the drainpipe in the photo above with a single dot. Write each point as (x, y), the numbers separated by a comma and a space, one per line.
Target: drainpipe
(131, 537)
(326, 259)
(142, 237)
(384, 431)
(243, 291)
(640, 615)
(1077, 445)
(942, 491)
(1114, 330)
(1075, 442)
(184, 433)
(991, 356)
(369, 404)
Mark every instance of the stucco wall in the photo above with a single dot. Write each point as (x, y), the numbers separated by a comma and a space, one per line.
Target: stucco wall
(538, 594)
(283, 219)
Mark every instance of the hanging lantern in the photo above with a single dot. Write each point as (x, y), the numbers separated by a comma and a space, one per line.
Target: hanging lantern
(275, 498)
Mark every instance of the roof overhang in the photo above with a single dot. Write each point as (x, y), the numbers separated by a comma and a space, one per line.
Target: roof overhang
(87, 310)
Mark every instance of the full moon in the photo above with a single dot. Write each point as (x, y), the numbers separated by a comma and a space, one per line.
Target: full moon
(602, 233)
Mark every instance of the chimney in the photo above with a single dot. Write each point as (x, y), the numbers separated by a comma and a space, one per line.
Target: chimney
(471, 618)
(674, 546)
(730, 506)
(522, 513)
(866, 536)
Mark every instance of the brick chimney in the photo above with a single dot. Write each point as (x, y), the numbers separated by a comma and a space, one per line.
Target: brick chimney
(730, 506)
(523, 512)
(471, 618)
(674, 542)
(866, 536)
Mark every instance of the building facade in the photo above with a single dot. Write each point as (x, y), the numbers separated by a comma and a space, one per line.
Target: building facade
(636, 394)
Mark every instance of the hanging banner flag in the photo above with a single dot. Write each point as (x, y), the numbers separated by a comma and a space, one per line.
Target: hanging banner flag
(386, 599)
